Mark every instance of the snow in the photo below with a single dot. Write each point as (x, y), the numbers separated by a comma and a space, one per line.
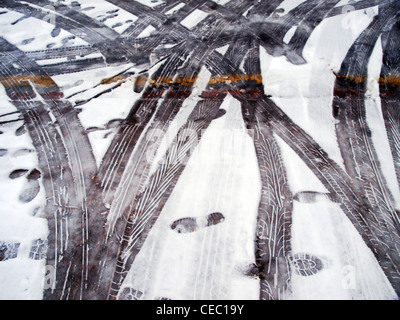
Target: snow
(112, 16)
(150, 3)
(300, 177)
(20, 278)
(38, 32)
(47, 62)
(304, 92)
(289, 34)
(100, 141)
(351, 273)
(97, 113)
(221, 2)
(209, 263)
(222, 174)
(180, 119)
(194, 18)
(146, 32)
(175, 9)
(83, 85)
(222, 50)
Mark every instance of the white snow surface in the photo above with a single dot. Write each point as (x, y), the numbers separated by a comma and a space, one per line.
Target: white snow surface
(105, 12)
(20, 278)
(222, 175)
(30, 34)
(194, 18)
(150, 3)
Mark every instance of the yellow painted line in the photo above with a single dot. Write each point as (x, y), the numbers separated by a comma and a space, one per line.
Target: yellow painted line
(44, 81)
(186, 80)
(392, 80)
(113, 79)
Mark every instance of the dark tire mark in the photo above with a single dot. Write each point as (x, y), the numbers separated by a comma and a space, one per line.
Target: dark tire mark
(116, 235)
(274, 217)
(149, 204)
(390, 92)
(355, 142)
(337, 182)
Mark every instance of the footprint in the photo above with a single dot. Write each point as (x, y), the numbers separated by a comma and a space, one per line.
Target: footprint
(3, 152)
(188, 225)
(30, 192)
(18, 173)
(39, 249)
(75, 5)
(20, 131)
(35, 174)
(78, 83)
(8, 250)
(185, 225)
(64, 41)
(55, 32)
(305, 264)
(22, 152)
(128, 293)
(88, 8)
(118, 24)
(19, 20)
(251, 271)
(102, 20)
(215, 218)
(313, 197)
(27, 41)
(112, 11)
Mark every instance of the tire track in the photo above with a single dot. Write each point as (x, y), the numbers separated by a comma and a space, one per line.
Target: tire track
(56, 133)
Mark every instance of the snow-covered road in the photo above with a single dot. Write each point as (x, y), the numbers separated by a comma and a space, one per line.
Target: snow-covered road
(199, 150)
